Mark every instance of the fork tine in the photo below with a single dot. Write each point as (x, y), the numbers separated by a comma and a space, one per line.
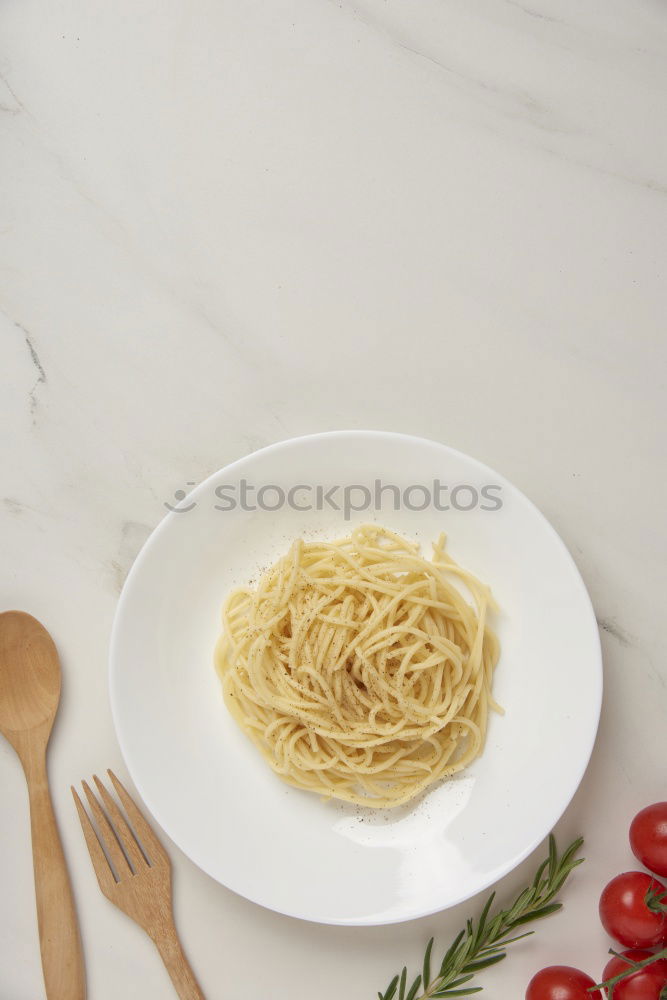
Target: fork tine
(100, 864)
(108, 836)
(144, 830)
(125, 835)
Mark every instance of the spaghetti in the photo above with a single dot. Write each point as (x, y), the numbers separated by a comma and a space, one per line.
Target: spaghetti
(359, 668)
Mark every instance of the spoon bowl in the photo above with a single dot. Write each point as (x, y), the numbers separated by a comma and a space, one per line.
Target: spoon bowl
(30, 676)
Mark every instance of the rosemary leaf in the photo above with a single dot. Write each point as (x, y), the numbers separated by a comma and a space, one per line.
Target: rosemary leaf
(451, 951)
(459, 993)
(553, 857)
(543, 911)
(484, 963)
(391, 990)
(414, 988)
(481, 923)
(515, 937)
(426, 973)
(461, 980)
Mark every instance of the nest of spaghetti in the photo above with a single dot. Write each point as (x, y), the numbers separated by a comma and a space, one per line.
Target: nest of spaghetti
(361, 670)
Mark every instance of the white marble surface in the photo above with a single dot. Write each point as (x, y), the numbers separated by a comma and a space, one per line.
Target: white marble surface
(225, 224)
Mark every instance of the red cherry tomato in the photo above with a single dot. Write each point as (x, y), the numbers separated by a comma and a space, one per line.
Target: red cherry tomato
(648, 837)
(625, 913)
(645, 984)
(561, 982)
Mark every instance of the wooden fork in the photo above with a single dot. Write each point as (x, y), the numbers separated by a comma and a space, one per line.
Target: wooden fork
(134, 872)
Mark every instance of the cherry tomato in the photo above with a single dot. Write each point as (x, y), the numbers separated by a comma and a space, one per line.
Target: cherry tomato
(561, 982)
(645, 984)
(625, 913)
(648, 837)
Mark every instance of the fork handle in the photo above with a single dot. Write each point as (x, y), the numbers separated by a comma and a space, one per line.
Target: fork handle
(176, 963)
(59, 941)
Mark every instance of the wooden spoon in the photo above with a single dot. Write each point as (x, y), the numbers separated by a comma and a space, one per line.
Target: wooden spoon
(29, 696)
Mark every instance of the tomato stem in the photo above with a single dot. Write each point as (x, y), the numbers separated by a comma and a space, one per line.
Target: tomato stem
(655, 898)
(609, 984)
(625, 958)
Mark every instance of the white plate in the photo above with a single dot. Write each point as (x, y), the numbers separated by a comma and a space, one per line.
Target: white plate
(286, 849)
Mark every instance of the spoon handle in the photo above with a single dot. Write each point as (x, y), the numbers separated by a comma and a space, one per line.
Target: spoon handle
(59, 940)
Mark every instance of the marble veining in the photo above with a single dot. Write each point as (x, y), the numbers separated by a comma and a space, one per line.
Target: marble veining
(612, 628)
(534, 13)
(41, 374)
(132, 537)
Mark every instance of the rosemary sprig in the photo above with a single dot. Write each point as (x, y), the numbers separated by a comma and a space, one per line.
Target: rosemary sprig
(481, 945)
